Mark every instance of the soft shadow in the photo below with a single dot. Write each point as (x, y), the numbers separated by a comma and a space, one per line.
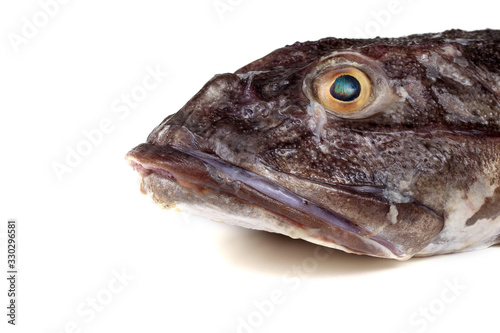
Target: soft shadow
(275, 254)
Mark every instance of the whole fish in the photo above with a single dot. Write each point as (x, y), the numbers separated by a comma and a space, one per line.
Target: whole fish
(388, 147)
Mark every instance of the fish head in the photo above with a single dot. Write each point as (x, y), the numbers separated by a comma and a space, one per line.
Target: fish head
(352, 144)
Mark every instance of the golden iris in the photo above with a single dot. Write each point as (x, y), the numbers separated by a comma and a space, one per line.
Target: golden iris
(343, 90)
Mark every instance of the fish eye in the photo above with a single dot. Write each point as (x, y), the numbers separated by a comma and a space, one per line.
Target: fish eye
(343, 90)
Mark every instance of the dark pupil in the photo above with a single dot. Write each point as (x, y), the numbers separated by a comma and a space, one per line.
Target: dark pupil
(345, 88)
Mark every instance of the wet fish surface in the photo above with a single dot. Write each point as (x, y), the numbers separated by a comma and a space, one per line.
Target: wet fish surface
(388, 147)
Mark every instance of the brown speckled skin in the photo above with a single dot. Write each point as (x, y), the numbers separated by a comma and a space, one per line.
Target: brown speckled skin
(438, 136)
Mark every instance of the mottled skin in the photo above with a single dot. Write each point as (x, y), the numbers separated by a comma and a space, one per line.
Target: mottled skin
(419, 174)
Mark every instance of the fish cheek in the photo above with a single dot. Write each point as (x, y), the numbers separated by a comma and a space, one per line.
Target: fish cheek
(413, 229)
(404, 228)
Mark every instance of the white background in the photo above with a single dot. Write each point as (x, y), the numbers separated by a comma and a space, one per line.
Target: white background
(188, 274)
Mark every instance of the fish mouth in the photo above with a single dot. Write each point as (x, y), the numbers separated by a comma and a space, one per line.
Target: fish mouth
(166, 170)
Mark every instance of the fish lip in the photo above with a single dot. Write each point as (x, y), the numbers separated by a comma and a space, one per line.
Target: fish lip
(146, 160)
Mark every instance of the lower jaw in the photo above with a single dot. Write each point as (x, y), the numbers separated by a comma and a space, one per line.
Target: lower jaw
(223, 207)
